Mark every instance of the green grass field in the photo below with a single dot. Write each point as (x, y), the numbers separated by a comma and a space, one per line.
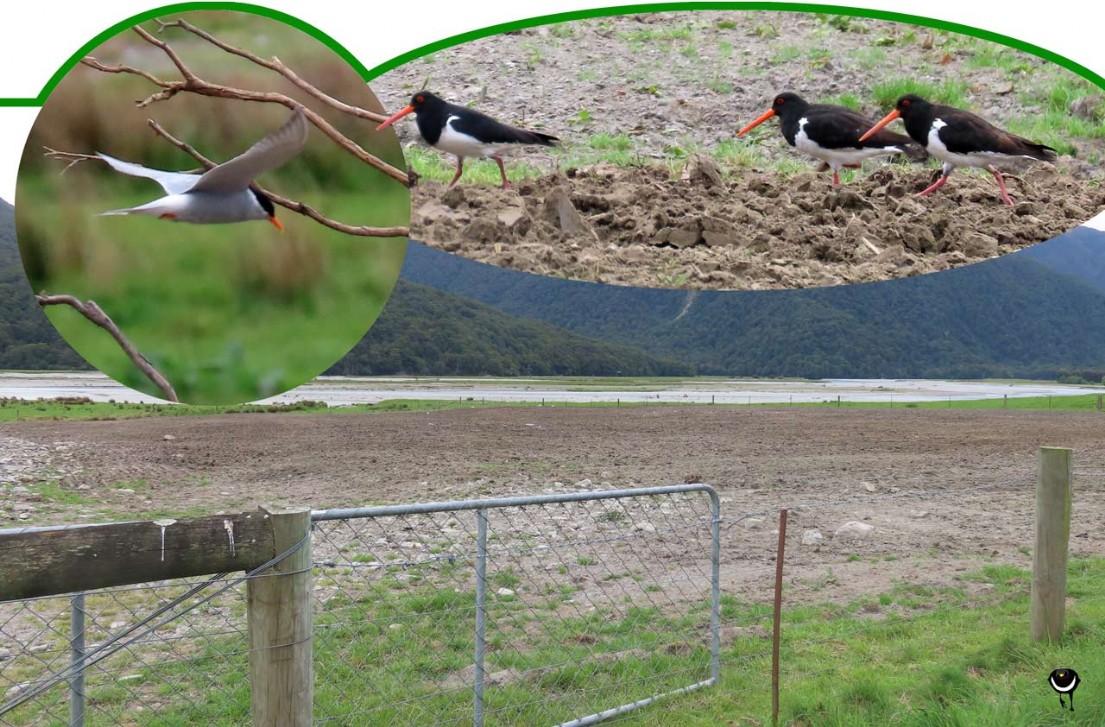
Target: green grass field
(26, 410)
(913, 655)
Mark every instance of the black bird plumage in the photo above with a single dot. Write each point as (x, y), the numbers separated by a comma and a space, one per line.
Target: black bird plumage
(1064, 681)
(959, 138)
(832, 133)
(465, 132)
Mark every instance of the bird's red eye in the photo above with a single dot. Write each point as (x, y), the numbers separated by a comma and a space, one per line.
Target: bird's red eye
(419, 99)
(779, 101)
(905, 102)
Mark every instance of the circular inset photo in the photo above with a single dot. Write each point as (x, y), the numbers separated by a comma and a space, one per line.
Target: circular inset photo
(744, 150)
(205, 208)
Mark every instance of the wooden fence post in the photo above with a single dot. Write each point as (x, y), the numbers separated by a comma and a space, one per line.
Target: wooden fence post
(279, 614)
(1049, 558)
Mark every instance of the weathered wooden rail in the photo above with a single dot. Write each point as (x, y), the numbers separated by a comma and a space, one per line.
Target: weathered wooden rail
(50, 561)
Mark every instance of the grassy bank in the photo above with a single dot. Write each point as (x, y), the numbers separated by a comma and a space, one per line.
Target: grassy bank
(12, 410)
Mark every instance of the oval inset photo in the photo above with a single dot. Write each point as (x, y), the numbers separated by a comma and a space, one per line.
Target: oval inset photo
(743, 150)
(206, 210)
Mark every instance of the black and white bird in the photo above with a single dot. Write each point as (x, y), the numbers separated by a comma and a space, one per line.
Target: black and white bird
(958, 138)
(223, 193)
(831, 133)
(465, 132)
(1064, 681)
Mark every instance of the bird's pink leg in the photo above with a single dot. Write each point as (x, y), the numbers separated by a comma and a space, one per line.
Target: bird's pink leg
(502, 171)
(460, 169)
(937, 185)
(1001, 183)
(836, 176)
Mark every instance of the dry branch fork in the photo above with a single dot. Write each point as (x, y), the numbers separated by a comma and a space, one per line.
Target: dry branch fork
(96, 314)
(192, 83)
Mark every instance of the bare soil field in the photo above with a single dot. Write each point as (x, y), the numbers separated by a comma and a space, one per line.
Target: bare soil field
(946, 492)
(653, 92)
(642, 227)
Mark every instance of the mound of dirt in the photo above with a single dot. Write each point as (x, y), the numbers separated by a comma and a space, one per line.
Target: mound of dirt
(641, 226)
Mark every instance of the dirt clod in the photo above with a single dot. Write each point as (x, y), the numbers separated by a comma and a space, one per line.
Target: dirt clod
(687, 231)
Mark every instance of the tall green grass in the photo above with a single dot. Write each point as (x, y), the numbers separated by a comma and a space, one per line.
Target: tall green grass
(952, 91)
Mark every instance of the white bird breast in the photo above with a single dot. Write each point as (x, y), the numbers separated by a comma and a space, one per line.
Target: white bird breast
(463, 145)
(974, 159)
(1069, 688)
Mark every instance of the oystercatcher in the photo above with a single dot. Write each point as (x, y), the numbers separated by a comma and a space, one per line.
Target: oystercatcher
(465, 132)
(830, 133)
(960, 139)
(1064, 681)
(223, 193)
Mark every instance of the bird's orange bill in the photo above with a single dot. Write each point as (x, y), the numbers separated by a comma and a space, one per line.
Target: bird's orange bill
(878, 127)
(277, 223)
(393, 119)
(766, 115)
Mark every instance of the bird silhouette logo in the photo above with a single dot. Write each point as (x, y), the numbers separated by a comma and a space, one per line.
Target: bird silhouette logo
(1064, 681)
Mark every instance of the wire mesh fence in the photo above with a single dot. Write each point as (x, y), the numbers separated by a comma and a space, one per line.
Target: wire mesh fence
(556, 609)
(173, 652)
(522, 611)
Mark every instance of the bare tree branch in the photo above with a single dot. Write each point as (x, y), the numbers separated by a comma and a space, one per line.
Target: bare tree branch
(94, 313)
(274, 65)
(192, 83)
(290, 204)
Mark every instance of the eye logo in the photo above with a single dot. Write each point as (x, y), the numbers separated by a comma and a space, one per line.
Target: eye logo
(1064, 681)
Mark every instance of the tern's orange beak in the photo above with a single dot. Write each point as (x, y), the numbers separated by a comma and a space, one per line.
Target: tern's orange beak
(878, 127)
(276, 223)
(393, 119)
(766, 115)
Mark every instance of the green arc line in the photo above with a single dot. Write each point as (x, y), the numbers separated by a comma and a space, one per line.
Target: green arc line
(369, 74)
(133, 20)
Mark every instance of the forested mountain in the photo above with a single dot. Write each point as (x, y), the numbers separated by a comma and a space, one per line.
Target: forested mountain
(1035, 313)
(27, 338)
(1080, 252)
(1011, 316)
(423, 331)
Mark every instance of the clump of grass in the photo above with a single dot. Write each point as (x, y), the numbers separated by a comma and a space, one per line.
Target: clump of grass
(735, 155)
(604, 141)
(785, 54)
(992, 55)
(562, 30)
(869, 59)
(819, 57)
(440, 168)
(952, 91)
(849, 100)
(657, 35)
(843, 23)
(765, 30)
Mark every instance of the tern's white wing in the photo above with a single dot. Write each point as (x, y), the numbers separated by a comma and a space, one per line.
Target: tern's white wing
(269, 153)
(171, 182)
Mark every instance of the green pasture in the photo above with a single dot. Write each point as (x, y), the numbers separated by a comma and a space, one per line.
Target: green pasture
(385, 650)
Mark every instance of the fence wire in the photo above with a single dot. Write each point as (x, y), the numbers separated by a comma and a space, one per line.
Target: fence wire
(140, 663)
(589, 606)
